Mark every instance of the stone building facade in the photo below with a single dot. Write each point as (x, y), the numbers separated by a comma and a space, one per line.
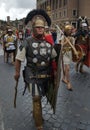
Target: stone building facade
(62, 11)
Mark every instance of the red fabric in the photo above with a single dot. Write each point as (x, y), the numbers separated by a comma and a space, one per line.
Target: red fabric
(49, 39)
(17, 33)
(87, 60)
(54, 65)
(87, 53)
(84, 48)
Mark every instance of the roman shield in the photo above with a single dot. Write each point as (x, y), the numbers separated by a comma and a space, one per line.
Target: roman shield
(54, 84)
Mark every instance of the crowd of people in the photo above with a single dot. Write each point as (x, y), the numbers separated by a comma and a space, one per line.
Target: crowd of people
(46, 50)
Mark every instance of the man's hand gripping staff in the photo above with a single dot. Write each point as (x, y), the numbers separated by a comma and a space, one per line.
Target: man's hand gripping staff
(68, 41)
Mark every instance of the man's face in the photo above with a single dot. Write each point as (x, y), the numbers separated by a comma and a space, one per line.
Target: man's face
(9, 33)
(39, 30)
(69, 31)
(85, 28)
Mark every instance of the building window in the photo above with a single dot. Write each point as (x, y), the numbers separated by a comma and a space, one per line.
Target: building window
(64, 2)
(64, 13)
(74, 24)
(53, 4)
(60, 14)
(56, 15)
(53, 16)
(60, 3)
(56, 4)
(74, 12)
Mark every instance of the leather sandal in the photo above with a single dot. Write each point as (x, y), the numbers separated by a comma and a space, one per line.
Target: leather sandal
(69, 86)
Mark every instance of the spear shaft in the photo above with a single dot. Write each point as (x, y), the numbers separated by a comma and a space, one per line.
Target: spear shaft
(15, 96)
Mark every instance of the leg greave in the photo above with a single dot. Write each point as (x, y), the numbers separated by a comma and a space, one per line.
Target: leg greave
(37, 111)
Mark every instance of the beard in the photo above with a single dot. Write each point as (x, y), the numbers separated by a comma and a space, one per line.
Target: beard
(39, 36)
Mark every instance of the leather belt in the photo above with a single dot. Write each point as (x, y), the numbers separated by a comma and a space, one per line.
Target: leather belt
(46, 64)
(40, 76)
(38, 64)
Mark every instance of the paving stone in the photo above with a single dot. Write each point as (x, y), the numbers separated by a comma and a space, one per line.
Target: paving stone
(88, 127)
(88, 122)
(81, 127)
(84, 122)
(64, 126)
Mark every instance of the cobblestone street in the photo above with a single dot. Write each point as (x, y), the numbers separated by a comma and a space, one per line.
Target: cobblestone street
(72, 111)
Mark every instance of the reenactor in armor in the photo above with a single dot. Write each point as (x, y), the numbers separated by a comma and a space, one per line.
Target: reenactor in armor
(10, 45)
(67, 47)
(83, 41)
(40, 62)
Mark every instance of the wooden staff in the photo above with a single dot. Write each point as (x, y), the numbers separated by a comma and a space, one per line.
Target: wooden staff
(15, 96)
(67, 40)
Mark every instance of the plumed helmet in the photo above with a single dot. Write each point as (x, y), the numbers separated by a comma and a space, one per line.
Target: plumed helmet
(82, 21)
(68, 27)
(38, 17)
